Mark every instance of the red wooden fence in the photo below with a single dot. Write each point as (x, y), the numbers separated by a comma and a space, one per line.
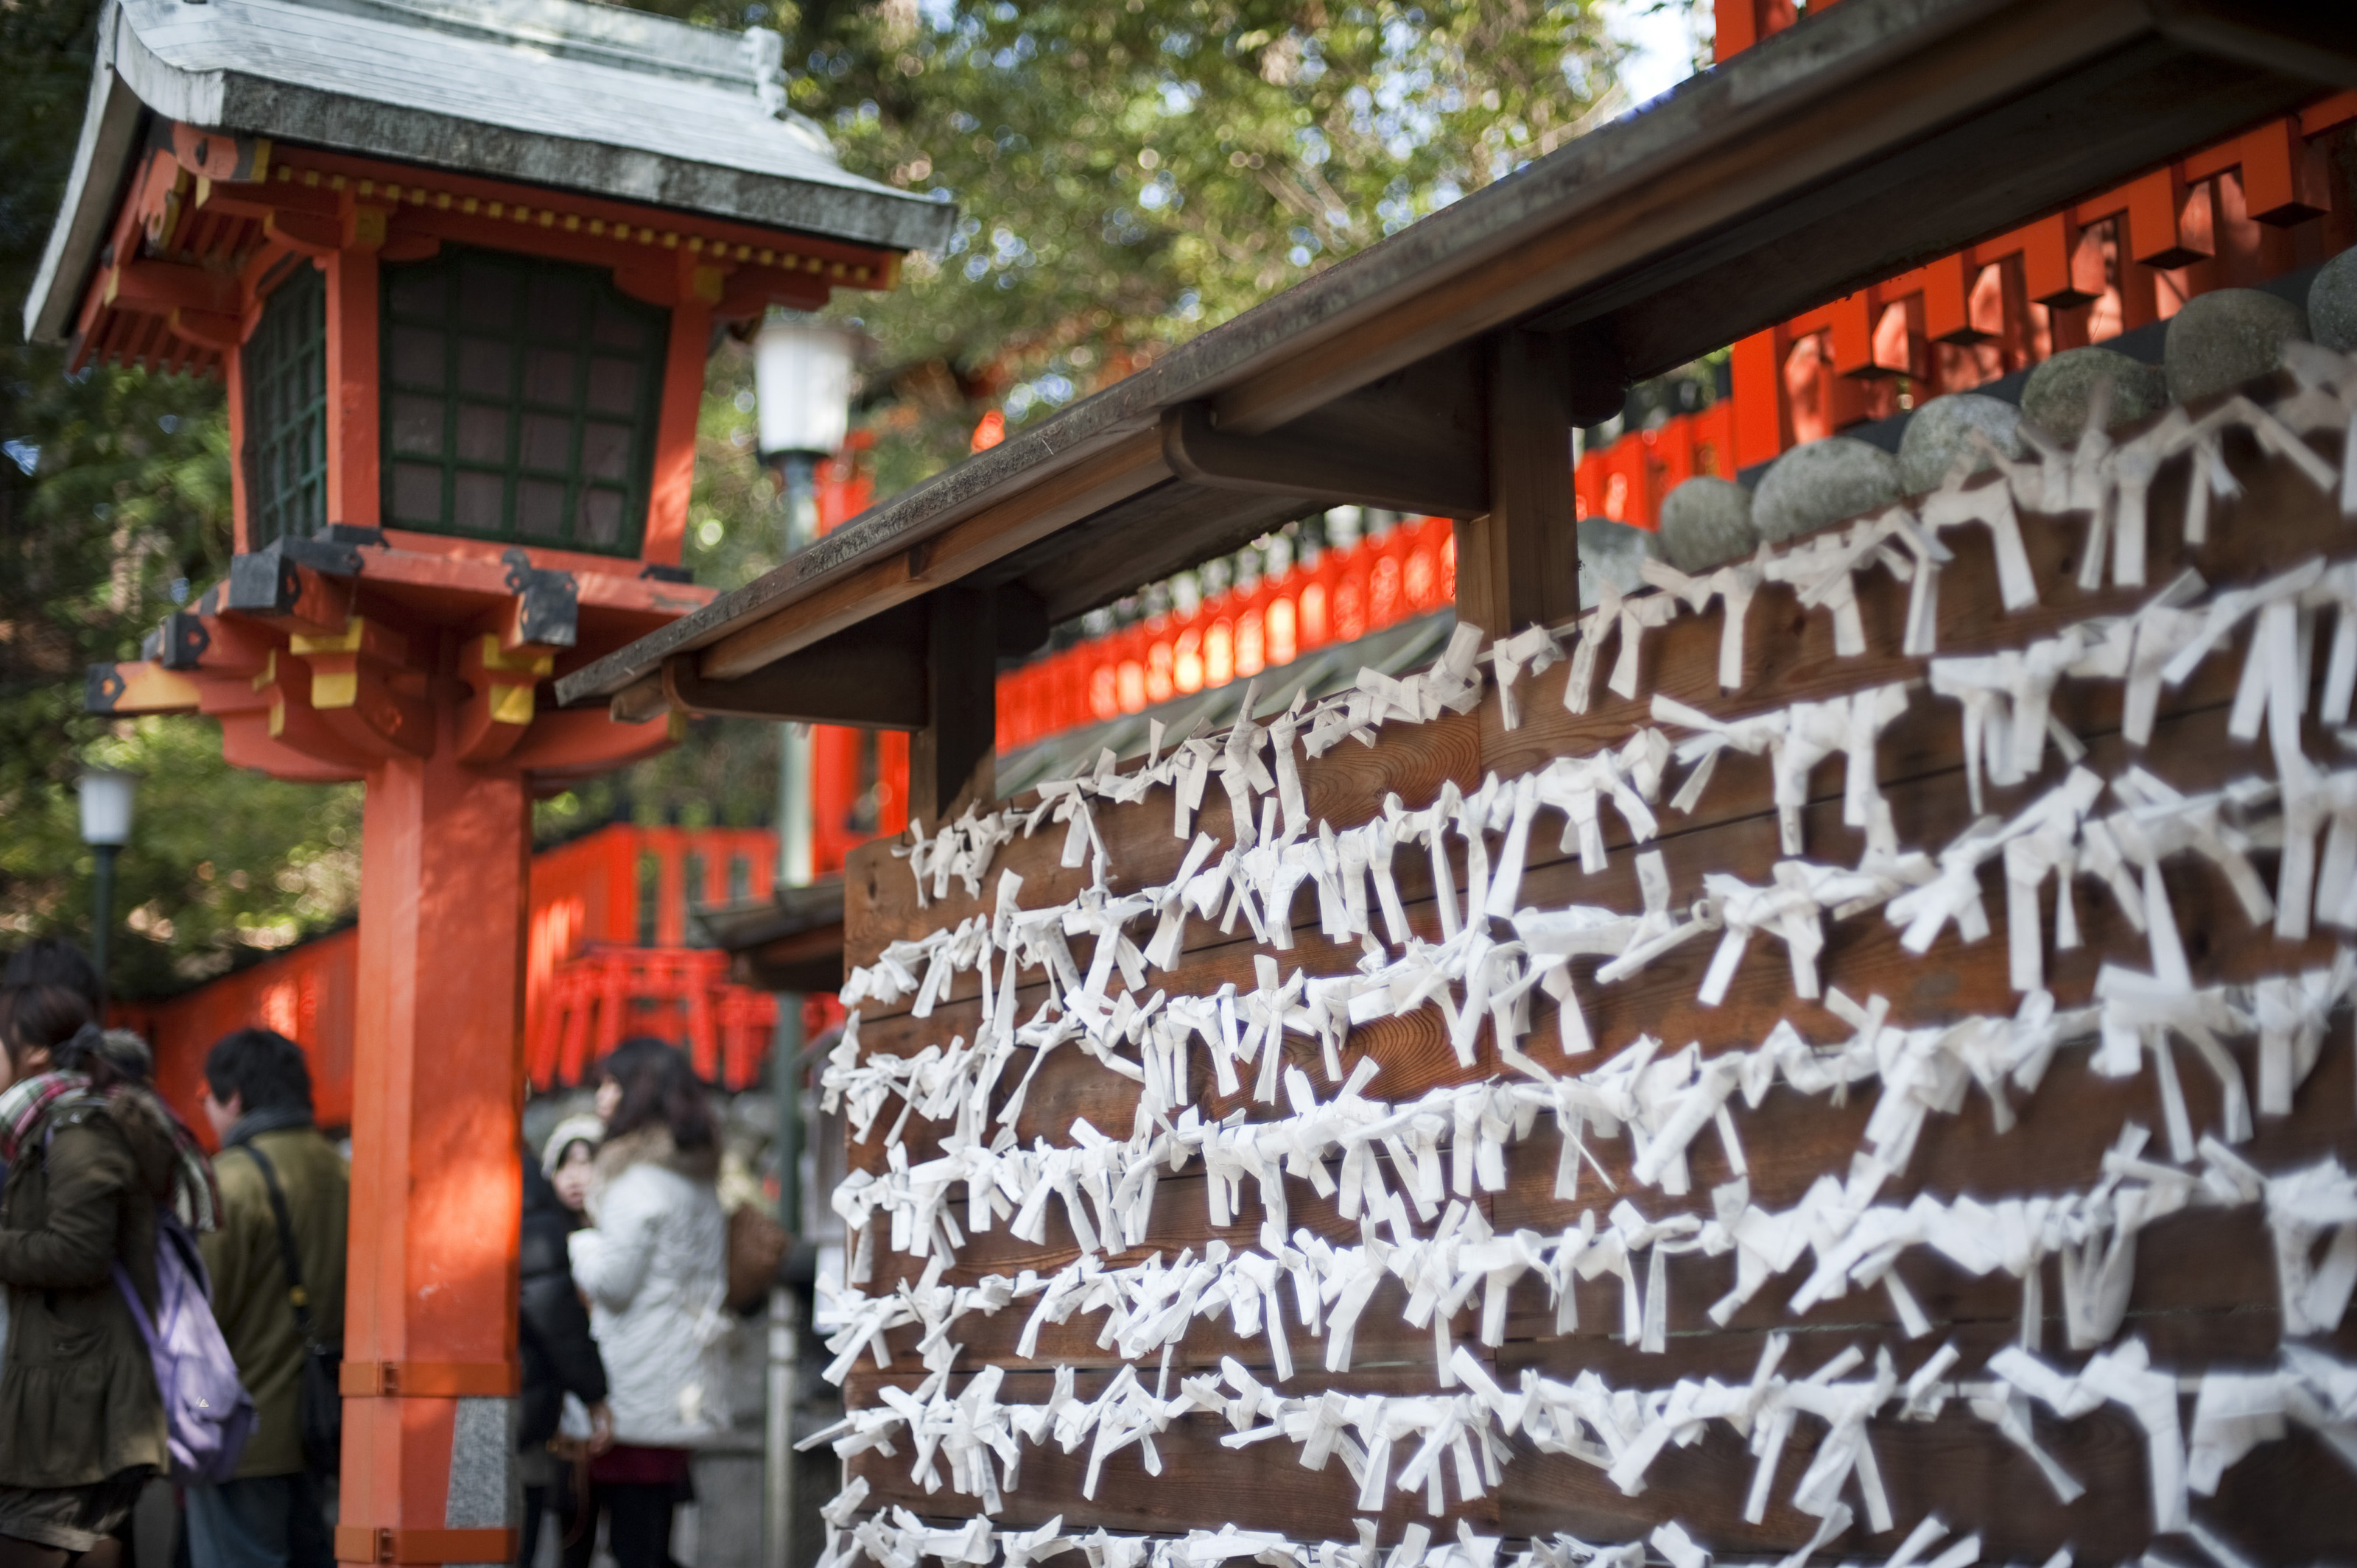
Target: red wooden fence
(607, 956)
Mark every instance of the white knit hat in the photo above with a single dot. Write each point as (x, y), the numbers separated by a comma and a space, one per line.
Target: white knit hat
(582, 1128)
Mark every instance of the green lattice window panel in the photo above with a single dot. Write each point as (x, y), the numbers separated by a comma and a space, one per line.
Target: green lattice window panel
(520, 398)
(285, 371)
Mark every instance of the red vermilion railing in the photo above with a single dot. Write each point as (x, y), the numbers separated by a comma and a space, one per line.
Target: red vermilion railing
(1236, 635)
(605, 956)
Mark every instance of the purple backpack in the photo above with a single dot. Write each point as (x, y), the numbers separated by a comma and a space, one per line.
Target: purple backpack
(208, 1414)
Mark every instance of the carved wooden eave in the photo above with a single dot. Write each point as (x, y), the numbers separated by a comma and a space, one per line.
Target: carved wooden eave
(625, 120)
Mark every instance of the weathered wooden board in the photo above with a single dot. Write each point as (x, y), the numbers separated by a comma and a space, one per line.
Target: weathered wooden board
(2204, 1293)
(1200, 1484)
(1862, 957)
(2201, 1260)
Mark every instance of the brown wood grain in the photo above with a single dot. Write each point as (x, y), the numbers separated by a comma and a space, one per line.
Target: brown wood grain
(2286, 1502)
(2201, 1260)
(1955, 1466)
(1790, 658)
(1862, 956)
(1201, 1484)
(2205, 1289)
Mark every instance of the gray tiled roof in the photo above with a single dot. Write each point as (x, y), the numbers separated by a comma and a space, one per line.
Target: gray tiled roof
(559, 92)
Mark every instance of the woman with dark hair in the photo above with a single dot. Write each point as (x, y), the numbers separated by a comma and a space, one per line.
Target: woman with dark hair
(53, 987)
(561, 1369)
(51, 962)
(655, 1271)
(93, 1157)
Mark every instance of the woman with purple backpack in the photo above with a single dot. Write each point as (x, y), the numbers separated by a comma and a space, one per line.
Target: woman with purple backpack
(94, 1160)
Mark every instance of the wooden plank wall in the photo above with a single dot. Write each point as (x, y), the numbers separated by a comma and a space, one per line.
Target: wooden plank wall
(2205, 1292)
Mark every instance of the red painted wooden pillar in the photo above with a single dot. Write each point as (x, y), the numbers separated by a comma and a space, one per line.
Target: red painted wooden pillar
(675, 475)
(430, 1331)
(352, 418)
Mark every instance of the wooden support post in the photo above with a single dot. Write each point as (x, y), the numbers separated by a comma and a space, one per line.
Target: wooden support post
(952, 759)
(241, 510)
(675, 475)
(1521, 563)
(352, 424)
(436, 1104)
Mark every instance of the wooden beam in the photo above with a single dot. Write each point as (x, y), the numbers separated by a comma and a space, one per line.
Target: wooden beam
(2278, 36)
(967, 547)
(640, 702)
(874, 676)
(138, 686)
(1445, 480)
(1174, 526)
(313, 235)
(1434, 409)
(221, 155)
(1020, 623)
(952, 759)
(213, 328)
(808, 960)
(1520, 563)
(161, 287)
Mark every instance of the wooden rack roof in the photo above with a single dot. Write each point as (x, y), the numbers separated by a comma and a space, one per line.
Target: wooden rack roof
(1850, 146)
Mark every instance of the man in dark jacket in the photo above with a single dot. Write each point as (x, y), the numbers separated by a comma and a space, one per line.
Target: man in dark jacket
(258, 1097)
(559, 1358)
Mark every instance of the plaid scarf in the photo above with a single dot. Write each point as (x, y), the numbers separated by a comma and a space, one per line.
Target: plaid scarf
(30, 1103)
(27, 1103)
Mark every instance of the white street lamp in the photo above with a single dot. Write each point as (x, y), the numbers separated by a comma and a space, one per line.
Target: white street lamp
(802, 382)
(801, 387)
(107, 795)
(801, 377)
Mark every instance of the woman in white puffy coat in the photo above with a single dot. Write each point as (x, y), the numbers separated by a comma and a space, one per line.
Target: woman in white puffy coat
(655, 1271)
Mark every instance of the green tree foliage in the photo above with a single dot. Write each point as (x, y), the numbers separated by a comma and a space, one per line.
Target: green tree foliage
(1128, 172)
(114, 505)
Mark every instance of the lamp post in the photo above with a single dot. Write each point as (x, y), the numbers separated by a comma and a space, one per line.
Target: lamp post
(106, 800)
(801, 381)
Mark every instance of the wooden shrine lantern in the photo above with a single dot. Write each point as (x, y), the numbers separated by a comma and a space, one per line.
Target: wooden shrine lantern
(460, 265)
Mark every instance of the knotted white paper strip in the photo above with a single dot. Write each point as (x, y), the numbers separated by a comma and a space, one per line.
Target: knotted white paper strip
(1958, 502)
(2302, 1208)
(1531, 651)
(1734, 586)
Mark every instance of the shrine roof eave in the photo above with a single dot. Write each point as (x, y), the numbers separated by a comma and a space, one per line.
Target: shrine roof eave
(659, 120)
(791, 941)
(1852, 145)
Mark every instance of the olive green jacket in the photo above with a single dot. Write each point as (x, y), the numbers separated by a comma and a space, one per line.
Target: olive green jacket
(78, 1399)
(250, 1299)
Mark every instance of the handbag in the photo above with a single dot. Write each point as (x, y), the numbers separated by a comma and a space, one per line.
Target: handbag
(318, 1403)
(757, 1246)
